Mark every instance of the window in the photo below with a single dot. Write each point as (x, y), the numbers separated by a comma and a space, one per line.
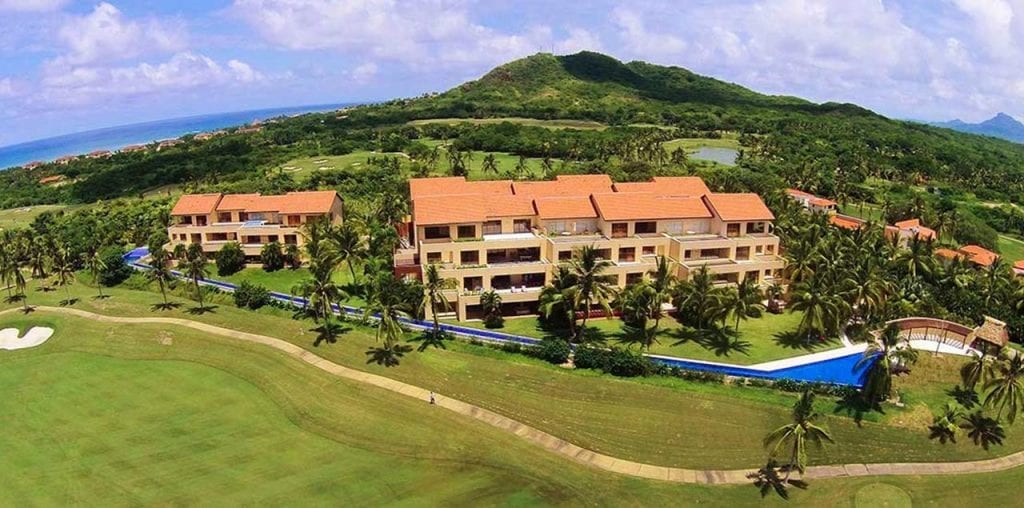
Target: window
(769, 250)
(294, 220)
(648, 250)
(224, 217)
(473, 283)
(620, 230)
(467, 231)
(742, 253)
(492, 227)
(291, 240)
(627, 255)
(242, 216)
(564, 255)
(521, 226)
(759, 250)
(435, 232)
(633, 278)
(469, 257)
(252, 240)
(200, 220)
(185, 220)
(755, 227)
(732, 230)
(643, 228)
(217, 237)
(433, 258)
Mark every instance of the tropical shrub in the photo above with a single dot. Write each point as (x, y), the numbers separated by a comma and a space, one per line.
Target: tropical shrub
(251, 295)
(230, 259)
(272, 257)
(554, 351)
(115, 270)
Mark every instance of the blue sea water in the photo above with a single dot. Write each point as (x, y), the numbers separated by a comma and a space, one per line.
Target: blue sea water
(112, 138)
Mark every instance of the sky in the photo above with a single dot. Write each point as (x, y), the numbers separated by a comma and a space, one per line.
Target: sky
(68, 66)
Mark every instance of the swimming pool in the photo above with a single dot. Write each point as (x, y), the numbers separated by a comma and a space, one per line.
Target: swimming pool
(841, 370)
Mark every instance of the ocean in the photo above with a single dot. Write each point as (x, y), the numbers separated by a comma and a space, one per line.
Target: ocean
(112, 138)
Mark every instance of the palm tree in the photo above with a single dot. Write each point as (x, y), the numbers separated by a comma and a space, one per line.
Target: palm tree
(320, 290)
(349, 246)
(557, 299)
(699, 297)
(490, 304)
(1006, 388)
(978, 370)
(944, 426)
(792, 439)
(160, 272)
(767, 480)
(434, 287)
(591, 286)
(821, 308)
(64, 270)
(21, 284)
(490, 164)
(195, 269)
(522, 168)
(885, 353)
(663, 279)
(917, 258)
(983, 430)
(95, 264)
(744, 301)
(994, 280)
(385, 303)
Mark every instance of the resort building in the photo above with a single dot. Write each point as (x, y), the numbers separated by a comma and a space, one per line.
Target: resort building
(52, 180)
(33, 165)
(252, 220)
(812, 202)
(508, 236)
(168, 143)
(907, 229)
(1018, 268)
(65, 160)
(132, 148)
(976, 254)
(98, 154)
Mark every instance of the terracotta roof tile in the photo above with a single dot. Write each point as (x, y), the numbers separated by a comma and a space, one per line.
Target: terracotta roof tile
(909, 223)
(456, 186)
(565, 185)
(738, 207)
(947, 253)
(1019, 265)
(196, 204)
(846, 222)
(667, 186)
(565, 207)
(240, 202)
(645, 206)
(433, 210)
(797, 193)
(979, 255)
(816, 201)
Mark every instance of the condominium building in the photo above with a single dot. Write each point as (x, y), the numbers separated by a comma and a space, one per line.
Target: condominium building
(252, 220)
(508, 236)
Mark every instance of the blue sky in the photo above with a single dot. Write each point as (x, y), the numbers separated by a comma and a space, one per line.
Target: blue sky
(75, 65)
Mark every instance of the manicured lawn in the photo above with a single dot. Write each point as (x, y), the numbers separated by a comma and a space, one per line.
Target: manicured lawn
(109, 414)
(659, 420)
(866, 211)
(303, 168)
(692, 144)
(763, 339)
(284, 280)
(23, 216)
(1011, 248)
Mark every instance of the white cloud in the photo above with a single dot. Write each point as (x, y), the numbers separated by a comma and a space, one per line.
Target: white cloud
(364, 72)
(31, 5)
(183, 71)
(7, 88)
(423, 34)
(641, 41)
(106, 35)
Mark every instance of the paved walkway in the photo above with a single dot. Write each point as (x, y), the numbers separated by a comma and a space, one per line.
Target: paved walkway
(548, 441)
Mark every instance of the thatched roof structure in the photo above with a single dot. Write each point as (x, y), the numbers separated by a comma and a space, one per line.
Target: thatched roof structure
(992, 331)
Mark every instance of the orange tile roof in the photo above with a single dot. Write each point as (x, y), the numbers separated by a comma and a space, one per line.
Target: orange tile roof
(822, 201)
(433, 210)
(51, 179)
(740, 206)
(645, 206)
(947, 253)
(979, 255)
(290, 203)
(196, 204)
(667, 186)
(565, 207)
(565, 185)
(909, 223)
(797, 193)
(456, 186)
(1019, 265)
(845, 222)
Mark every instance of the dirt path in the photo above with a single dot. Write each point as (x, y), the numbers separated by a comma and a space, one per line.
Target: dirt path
(548, 441)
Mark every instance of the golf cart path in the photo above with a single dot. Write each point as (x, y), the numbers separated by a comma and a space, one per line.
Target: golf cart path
(548, 441)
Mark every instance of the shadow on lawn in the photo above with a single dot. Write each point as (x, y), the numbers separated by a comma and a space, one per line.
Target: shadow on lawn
(165, 306)
(723, 341)
(200, 310)
(794, 340)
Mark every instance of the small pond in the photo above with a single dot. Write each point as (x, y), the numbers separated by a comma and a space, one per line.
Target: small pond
(726, 156)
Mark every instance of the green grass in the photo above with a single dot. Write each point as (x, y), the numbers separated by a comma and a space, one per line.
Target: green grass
(692, 144)
(533, 122)
(303, 168)
(283, 280)
(1011, 248)
(664, 421)
(23, 216)
(763, 339)
(866, 211)
(143, 414)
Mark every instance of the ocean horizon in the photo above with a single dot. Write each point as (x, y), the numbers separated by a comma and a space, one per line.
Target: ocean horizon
(112, 138)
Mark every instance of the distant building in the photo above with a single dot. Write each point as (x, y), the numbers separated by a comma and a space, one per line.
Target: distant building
(33, 165)
(51, 180)
(253, 220)
(98, 154)
(65, 160)
(812, 202)
(167, 143)
(132, 148)
(1018, 268)
(976, 254)
(203, 136)
(907, 229)
(249, 129)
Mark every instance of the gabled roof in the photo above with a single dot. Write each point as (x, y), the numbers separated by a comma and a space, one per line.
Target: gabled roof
(979, 255)
(816, 201)
(909, 223)
(565, 185)
(667, 186)
(304, 202)
(947, 253)
(196, 204)
(646, 206)
(1019, 266)
(435, 210)
(846, 222)
(993, 331)
(565, 207)
(797, 193)
(455, 186)
(740, 206)
(240, 202)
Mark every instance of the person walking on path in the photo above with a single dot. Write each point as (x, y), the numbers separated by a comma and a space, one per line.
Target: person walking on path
(432, 401)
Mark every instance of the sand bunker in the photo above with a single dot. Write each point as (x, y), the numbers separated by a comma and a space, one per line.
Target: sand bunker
(37, 335)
